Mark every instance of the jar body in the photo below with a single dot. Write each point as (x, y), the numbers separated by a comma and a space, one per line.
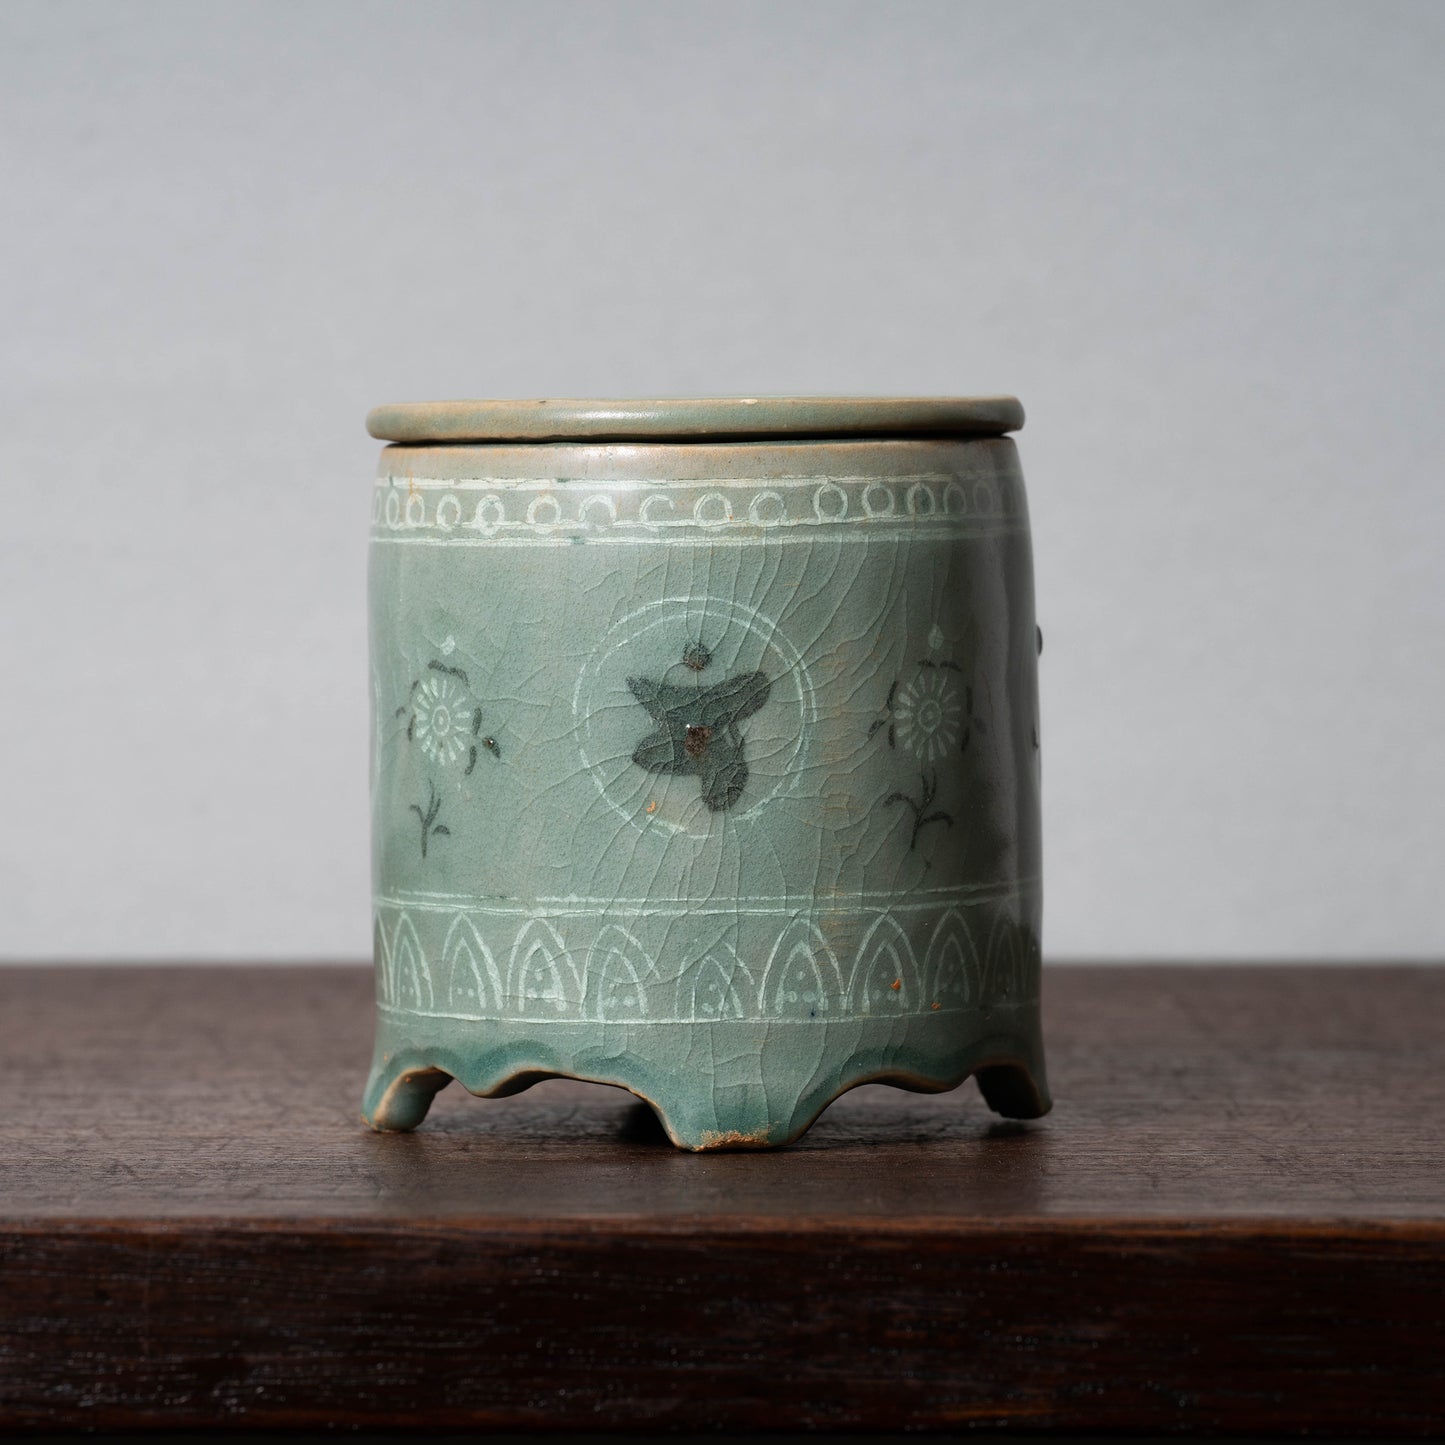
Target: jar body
(708, 769)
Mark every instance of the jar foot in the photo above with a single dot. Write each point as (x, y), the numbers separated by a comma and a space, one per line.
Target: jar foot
(1015, 1091)
(397, 1099)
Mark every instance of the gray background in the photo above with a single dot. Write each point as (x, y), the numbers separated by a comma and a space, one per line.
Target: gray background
(1203, 242)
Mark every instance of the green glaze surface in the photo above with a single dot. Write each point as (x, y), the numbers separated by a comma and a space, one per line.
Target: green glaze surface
(701, 418)
(705, 768)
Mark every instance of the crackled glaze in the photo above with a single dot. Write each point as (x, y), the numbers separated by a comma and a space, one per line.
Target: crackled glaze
(707, 768)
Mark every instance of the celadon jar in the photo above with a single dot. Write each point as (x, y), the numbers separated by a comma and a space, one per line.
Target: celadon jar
(705, 755)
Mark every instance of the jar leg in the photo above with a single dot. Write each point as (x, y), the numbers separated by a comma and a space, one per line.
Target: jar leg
(1017, 1091)
(398, 1097)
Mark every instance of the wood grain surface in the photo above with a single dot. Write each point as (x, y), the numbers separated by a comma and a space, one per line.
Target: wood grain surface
(1232, 1222)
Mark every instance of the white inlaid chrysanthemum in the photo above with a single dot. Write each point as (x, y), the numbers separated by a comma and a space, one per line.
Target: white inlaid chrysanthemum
(443, 719)
(928, 714)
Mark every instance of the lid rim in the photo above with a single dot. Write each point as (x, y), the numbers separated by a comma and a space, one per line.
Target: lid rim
(694, 418)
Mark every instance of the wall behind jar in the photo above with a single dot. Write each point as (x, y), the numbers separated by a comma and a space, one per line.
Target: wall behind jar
(1203, 243)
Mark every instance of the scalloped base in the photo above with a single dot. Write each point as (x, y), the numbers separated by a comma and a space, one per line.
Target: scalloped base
(724, 1084)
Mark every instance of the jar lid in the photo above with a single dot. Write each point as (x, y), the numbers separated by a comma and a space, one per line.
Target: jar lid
(737, 417)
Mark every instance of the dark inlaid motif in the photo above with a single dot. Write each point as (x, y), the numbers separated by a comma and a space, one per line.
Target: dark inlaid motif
(922, 806)
(697, 728)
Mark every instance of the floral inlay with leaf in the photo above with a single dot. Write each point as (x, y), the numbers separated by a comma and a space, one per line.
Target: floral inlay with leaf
(444, 721)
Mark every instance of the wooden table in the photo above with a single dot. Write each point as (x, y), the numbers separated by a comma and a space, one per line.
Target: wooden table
(1233, 1221)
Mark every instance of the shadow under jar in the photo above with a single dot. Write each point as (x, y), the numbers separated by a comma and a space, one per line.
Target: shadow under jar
(705, 755)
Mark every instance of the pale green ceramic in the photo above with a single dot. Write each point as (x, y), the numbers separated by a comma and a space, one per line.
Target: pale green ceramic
(705, 756)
